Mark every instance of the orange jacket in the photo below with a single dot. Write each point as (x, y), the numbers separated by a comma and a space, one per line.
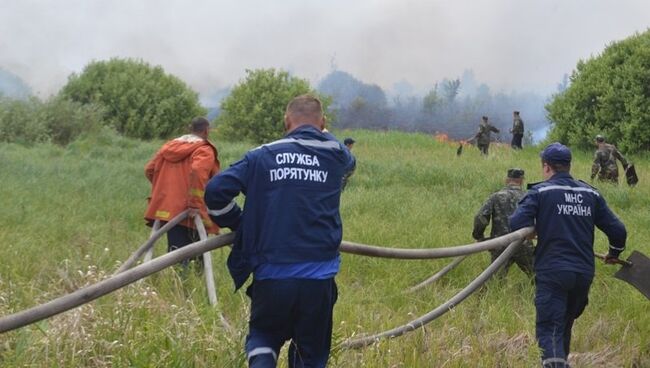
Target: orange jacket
(178, 173)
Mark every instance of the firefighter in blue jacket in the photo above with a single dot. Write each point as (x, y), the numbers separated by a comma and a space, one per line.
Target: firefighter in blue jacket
(564, 212)
(288, 235)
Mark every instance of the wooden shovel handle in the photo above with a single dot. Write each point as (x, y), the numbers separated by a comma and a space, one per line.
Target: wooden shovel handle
(618, 260)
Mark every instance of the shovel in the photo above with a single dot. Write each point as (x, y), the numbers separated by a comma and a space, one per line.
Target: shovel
(635, 271)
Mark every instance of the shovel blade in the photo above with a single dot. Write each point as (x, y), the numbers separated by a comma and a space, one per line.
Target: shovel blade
(637, 275)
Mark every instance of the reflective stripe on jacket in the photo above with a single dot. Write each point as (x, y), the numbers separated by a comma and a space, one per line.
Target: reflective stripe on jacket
(291, 212)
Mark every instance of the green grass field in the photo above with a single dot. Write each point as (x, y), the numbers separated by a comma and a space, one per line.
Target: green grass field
(69, 216)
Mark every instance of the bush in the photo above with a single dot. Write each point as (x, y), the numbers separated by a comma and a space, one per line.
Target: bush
(610, 95)
(138, 100)
(20, 123)
(255, 108)
(65, 120)
(57, 120)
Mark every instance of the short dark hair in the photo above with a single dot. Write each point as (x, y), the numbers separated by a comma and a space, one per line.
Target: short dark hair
(305, 105)
(199, 124)
(515, 173)
(558, 167)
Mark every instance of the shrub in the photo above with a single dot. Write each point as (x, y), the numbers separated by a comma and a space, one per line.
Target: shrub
(255, 108)
(138, 100)
(65, 120)
(19, 121)
(57, 120)
(609, 94)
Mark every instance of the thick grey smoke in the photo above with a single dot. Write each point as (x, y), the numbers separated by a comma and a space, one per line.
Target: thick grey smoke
(509, 44)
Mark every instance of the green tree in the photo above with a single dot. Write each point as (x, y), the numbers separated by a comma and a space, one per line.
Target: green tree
(254, 110)
(450, 89)
(608, 94)
(431, 101)
(138, 100)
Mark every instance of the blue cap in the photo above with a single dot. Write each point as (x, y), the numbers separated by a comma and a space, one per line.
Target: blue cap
(556, 153)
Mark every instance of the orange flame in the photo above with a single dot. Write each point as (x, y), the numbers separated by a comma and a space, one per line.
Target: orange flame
(442, 137)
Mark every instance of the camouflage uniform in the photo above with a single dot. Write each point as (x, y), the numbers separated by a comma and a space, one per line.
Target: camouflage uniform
(499, 207)
(517, 132)
(347, 175)
(605, 163)
(482, 137)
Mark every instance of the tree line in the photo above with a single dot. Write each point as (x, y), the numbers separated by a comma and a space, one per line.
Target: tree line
(606, 94)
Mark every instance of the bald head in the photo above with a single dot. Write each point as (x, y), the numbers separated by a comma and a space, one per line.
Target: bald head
(304, 110)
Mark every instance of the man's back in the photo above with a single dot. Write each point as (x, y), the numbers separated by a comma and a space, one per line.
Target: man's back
(288, 235)
(565, 213)
(517, 126)
(291, 212)
(178, 174)
(296, 184)
(499, 206)
(483, 135)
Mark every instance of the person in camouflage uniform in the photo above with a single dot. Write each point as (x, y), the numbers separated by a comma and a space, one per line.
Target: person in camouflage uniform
(482, 137)
(498, 207)
(517, 130)
(605, 161)
(349, 143)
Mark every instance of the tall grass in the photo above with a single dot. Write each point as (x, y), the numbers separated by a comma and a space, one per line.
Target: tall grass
(70, 215)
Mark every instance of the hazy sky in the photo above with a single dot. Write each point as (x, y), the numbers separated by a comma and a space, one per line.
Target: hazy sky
(509, 44)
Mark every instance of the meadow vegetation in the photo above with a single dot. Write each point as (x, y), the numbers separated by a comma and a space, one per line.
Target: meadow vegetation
(71, 214)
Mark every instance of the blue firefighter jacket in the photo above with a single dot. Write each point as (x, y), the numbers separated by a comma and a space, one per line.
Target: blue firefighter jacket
(291, 212)
(564, 212)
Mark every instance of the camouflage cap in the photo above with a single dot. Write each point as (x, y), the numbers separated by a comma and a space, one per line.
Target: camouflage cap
(515, 173)
(600, 138)
(556, 153)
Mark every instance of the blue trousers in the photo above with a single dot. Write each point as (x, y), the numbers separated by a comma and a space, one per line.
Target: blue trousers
(560, 298)
(299, 310)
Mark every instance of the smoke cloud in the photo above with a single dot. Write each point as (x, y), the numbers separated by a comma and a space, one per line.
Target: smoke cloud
(508, 44)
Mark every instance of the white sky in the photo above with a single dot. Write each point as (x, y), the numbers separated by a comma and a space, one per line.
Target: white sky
(509, 44)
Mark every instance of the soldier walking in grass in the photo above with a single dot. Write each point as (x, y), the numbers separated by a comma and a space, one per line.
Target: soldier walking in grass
(498, 207)
(517, 130)
(482, 137)
(605, 161)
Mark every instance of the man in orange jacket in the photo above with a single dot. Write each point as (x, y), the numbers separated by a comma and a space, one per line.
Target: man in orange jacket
(178, 173)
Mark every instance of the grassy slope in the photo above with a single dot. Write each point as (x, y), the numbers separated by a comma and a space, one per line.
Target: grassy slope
(70, 215)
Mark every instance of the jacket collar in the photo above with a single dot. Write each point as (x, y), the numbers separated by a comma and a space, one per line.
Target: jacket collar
(561, 175)
(305, 130)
